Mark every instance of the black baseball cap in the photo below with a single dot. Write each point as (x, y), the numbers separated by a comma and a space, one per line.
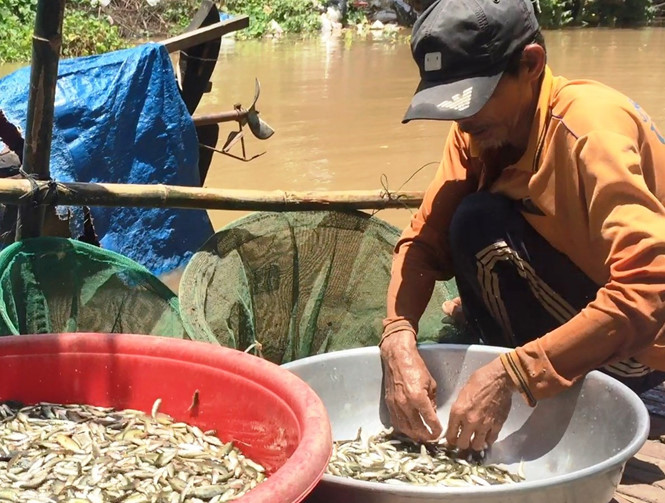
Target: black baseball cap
(462, 48)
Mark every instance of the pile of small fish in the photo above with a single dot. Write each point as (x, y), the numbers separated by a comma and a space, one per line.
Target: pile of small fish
(392, 460)
(87, 454)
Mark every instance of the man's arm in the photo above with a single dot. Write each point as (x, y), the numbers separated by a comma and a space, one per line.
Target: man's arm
(628, 313)
(11, 136)
(421, 257)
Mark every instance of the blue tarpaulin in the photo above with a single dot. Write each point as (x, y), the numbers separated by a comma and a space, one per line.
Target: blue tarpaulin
(119, 118)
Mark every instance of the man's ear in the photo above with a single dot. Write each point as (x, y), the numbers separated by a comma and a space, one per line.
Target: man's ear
(533, 61)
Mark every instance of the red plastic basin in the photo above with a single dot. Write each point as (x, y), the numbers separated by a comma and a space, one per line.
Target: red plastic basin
(273, 416)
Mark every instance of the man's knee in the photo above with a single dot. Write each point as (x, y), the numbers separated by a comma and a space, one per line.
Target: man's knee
(480, 219)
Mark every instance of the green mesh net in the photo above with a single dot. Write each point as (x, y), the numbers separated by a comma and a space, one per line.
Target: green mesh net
(299, 283)
(62, 285)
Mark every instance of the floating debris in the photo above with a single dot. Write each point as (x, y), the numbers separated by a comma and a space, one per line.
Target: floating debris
(392, 460)
(87, 454)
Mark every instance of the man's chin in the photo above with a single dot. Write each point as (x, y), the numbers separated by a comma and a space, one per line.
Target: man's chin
(489, 143)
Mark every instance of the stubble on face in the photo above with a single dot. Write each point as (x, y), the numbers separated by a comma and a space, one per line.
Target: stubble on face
(491, 142)
(487, 136)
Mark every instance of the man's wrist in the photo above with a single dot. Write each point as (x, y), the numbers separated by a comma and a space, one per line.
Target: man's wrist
(402, 336)
(515, 375)
(399, 326)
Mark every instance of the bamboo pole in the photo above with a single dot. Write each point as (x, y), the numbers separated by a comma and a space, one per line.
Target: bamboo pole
(46, 42)
(14, 191)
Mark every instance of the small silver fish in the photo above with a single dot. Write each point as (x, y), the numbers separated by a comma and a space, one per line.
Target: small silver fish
(392, 460)
(81, 453)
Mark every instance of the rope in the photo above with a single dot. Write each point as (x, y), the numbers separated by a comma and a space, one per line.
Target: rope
(387, 194)
(37, 195)
(199, 58)
(34, 191)
(416, 172)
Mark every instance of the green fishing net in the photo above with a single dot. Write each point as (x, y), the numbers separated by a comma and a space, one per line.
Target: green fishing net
(62, 285)
(299, 283)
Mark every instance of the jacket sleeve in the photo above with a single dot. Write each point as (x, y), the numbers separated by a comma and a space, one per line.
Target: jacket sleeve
(421, 255)
(626, 223)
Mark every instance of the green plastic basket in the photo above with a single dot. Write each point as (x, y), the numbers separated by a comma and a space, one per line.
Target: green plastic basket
(299, 283)
(53, 284)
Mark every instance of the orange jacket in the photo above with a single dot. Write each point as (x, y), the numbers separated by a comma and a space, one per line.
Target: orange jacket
(595, 168)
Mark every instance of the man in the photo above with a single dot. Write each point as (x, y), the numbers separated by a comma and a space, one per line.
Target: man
(547, 208)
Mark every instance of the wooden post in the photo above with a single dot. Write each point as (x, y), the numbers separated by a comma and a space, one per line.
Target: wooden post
(213, 31)
(46, 42)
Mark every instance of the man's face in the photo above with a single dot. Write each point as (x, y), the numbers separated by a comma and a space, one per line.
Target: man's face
(500, 121)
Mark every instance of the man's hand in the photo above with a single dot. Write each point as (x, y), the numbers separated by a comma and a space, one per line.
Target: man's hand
(410, 389)
(481, 408)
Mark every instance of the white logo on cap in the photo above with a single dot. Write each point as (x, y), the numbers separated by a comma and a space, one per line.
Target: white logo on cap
(432, 61)
(458, 102)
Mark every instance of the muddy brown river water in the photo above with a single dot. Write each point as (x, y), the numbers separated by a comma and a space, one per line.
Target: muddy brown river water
(336, 104)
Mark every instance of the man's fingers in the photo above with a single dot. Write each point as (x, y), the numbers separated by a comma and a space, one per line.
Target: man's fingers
(479, 441)
(453, 309)
(436, 432)
(414, 430)
(481, 408)
(398, 418)
(430, 418)
(450, 306)
(452, 432)
(421, 430)
(416, 418)
(429, 414)
(405, 418)
(465, 434)
(410, 391)
(492, 435)
(419, 422)
(431, 392)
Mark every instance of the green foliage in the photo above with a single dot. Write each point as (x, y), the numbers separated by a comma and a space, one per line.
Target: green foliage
(84, 33)
(618, 13)
(355, 15)
(90, 28)
(614, 13)
(178, 14)
(555, 13)
(16, 19)
(15, 43)
(294, 16)
(20, 10)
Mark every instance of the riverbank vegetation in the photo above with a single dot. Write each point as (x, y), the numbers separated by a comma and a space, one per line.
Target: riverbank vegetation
(95, 26)
(611, 13)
